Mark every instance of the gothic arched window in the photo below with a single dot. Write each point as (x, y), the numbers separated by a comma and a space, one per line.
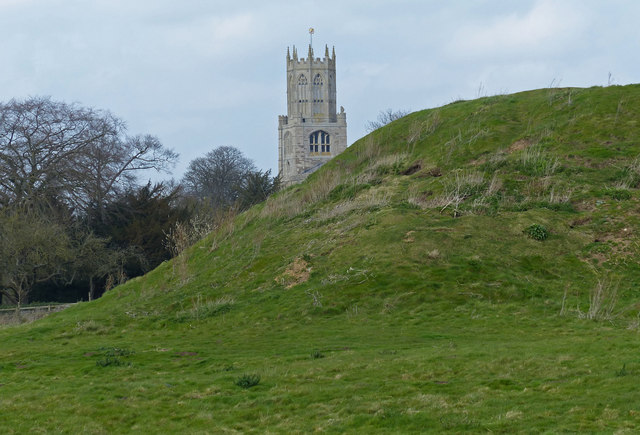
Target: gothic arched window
(319, 143)
(302, 89)
(318, 81)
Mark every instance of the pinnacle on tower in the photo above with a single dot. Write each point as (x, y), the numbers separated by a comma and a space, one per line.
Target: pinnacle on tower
(334, 52)
(295, 53)
(310, 53)
(326, 51)
(288, 54)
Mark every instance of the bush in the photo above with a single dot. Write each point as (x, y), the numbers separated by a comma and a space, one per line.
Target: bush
(248, 381)
(537, 232)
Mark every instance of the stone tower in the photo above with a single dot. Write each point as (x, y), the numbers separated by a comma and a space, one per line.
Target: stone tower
(312, 132)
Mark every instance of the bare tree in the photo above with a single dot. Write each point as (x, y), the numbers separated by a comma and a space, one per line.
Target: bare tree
(56, 152)
(40, 140)
(216, 177)
(384, 118)
(109, 169)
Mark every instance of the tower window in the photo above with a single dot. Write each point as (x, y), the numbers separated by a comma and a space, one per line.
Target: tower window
(319, 137)
(317, 80)
(302, 80)
(319, 142)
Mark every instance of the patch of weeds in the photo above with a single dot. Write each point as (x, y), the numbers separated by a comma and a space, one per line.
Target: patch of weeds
(534, 161)
(111, 361)
(537, 232)
(316, 354)
(629, 176)
(248, 380)
(603, 298)
(112, 356)
(395, 168)
(622, 371)
(618, 194)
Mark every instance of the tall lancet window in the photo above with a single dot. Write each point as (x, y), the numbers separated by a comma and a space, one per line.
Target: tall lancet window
(302, 89)
(318, 82)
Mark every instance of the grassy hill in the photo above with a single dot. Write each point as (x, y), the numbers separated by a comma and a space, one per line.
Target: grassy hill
(469, 268)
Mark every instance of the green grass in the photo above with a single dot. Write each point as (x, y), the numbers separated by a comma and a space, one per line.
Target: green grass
(394, 291)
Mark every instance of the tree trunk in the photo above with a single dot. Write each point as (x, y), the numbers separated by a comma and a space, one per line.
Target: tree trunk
(91, 289)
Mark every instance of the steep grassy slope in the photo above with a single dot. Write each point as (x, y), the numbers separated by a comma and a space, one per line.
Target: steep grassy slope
(397, 290)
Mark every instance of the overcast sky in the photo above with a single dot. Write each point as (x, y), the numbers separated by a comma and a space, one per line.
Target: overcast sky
(204, 73)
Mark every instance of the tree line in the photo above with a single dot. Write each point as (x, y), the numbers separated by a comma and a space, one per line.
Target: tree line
(75, 220)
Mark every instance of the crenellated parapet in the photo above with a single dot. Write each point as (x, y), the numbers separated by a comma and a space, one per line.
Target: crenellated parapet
(294, 61)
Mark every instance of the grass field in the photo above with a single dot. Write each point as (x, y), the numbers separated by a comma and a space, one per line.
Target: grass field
(470, 268)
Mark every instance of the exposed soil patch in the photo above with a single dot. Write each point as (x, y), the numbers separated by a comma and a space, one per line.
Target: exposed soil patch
(412, 169)
(187, 353)
(435, 172)
(584, 206)
(580, 221)
(519, 145)
(296, 273)
(478, 162)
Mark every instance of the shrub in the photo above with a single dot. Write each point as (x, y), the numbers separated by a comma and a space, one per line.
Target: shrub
(537, 232)
(248, 380)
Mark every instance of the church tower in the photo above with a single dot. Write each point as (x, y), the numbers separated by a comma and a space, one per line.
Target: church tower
(312, 132)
